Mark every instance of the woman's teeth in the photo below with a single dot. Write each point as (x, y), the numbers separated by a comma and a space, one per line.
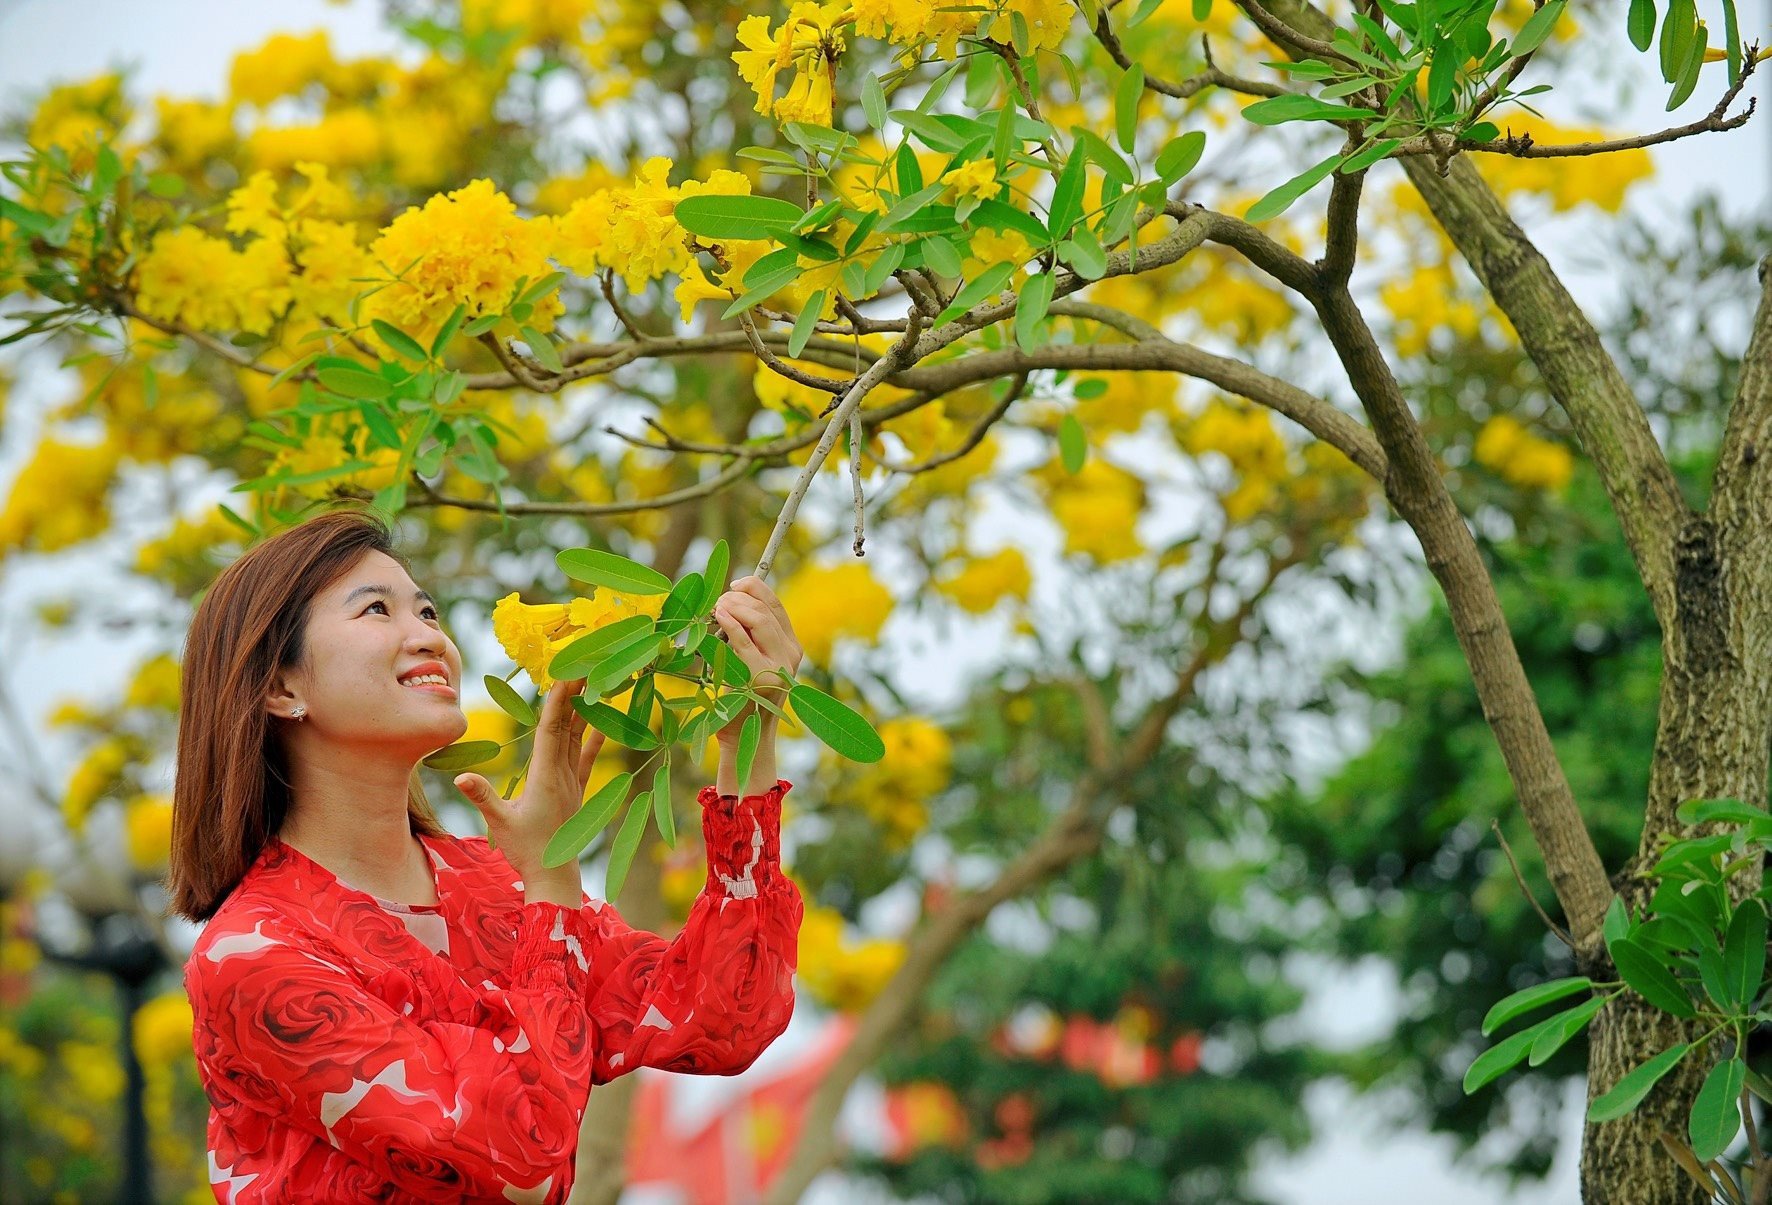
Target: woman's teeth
(424, 678)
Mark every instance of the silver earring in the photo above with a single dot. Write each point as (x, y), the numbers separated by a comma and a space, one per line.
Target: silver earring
(297, 713)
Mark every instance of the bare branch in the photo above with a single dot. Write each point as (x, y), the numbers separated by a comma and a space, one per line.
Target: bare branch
(1343, 239)
(782, 368)
(1212, 77)
(737, 471)
(1557, 931)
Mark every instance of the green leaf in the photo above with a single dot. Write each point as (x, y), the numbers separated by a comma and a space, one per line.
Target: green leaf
(1482, 131)
(1716, 1114)
(616, 725)
(583, 825)
(622, 662)
(1380, 39)
(931, 131)
(1732, 40)
(450, 387)
(627, 842)
(834, 723)
(462, 754)
(907, 170)
(1180, 155)
(1103, 155)
(1502, 1057)
(1083, 252)
(1073, 445)
(714, 576)
(1276, 110)
(661, 804)
(618, 573)
(1144, 10)
(1641, 23)
(985, 285)
(1732, 811)
(1442, 76)
(1030, 310)
(1281, 198)
(803, 324)
(1126, 97)
(446, 332)
(355, 383)
(1067, 196)
(1616, 923)
(873, 100)
(908, 205)
(1688, 78)
(576, 658)
(380, 426)
(1678, 29)
(939, 254)
(641, 698)
(750, 733)
(1630, 1090)
(1538, 27)
(714, 216)
(1361, 160)
(1565, 1025)
(509, 701)
(684, 600)
(1527, 999)
(542, 348)
(402, 343)
(884, 265)
(1744, 954)
(1646, 975)
(727, 667)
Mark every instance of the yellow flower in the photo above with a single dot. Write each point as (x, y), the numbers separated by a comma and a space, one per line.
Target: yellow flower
(253, 208)
(1506, 447)
(532, 633)
(977, 179)
(840, 975)
(60, 496)
(1097, 508)
(985, 581)
(94, 1070)
(829, 603)
(190, 277)
(283, 65)
(467, 247)
(96, 774)
(809, 40)
(334, 268)
(192, 131)
(156, 683)
(149, 823)
(342, 138)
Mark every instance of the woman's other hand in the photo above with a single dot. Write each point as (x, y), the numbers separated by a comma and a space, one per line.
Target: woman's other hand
(553, 790)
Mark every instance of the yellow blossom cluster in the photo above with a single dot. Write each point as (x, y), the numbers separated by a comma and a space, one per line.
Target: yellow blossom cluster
(282, 66)
(810, 41)
(184, 416)
(1506, 447)
(148, 825)
(163, 1028)
(1245, 436)
(187, 544)
(841, 973)
(465, 247)
(60, 496)
(95, 776)
(79, 118)
(977, 179)
(155, 684)
(189, 133)
(634, 229)
(1425, 301)
(194, 278)
(532, 633)
(835, 602)
(983, 582)
(894, 791)
(1097, 508)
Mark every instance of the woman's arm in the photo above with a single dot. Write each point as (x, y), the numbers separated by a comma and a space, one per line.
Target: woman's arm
(711, 1000)
(445, 1090)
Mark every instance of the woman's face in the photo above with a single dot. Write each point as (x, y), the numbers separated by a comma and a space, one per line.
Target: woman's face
(365, 632)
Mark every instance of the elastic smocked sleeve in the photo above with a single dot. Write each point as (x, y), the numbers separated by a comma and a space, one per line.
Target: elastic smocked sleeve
(709, 1001)
(444, 1089)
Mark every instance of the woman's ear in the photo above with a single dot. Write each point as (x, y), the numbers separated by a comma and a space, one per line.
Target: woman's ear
(280, 700)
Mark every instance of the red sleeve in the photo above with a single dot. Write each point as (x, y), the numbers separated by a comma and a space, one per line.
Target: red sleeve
(444, 1089)
(709, 1001)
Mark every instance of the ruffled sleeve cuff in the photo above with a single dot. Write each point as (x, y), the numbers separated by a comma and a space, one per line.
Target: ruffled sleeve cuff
(552, 950)
(743, 838)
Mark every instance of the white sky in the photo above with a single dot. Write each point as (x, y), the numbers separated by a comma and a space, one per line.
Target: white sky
(183, 47)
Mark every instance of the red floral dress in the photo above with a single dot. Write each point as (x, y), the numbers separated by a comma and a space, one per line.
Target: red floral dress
(353, 1051)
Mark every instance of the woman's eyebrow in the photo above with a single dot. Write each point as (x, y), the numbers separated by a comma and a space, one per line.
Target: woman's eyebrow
(417, 595)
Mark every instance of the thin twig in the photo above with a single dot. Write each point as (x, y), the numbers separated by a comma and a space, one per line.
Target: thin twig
(1557, 930)
(855, 438)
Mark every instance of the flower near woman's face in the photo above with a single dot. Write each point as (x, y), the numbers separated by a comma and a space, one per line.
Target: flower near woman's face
(531, 634)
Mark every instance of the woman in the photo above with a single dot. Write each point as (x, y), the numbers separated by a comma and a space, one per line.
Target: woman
(385, 1011)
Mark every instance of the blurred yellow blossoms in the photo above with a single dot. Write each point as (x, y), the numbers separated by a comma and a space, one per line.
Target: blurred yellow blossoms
(843, 975)
(986, 581)
(830, 603)
(1506, 447)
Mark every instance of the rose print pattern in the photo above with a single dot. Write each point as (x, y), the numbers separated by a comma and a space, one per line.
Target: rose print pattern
(346, 1060)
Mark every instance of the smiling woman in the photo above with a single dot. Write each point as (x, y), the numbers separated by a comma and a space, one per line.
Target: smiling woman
(383, 1010)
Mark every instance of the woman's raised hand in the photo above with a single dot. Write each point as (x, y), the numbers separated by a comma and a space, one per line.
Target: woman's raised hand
(553, 789)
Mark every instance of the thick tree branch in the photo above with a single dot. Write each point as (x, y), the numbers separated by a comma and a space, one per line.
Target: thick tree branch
(1741, 494)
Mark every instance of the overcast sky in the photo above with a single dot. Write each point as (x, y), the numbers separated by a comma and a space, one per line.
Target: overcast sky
(183, 47)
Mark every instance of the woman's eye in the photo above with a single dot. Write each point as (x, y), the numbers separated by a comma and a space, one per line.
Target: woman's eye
(429, 610)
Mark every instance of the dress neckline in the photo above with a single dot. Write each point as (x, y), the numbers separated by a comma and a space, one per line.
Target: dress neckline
(389, 905)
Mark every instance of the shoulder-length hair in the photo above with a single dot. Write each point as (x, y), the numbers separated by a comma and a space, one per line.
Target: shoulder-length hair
(231, 780)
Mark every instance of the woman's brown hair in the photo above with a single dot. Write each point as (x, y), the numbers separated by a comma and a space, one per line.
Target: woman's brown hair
(230, 787)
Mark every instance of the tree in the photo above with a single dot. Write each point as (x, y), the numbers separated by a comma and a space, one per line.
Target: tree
(896, 268)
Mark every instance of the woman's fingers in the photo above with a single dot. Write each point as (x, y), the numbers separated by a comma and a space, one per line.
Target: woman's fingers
(587, 757)
(553, 730)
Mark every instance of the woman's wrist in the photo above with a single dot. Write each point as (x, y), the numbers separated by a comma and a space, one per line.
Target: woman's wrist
(560, 885)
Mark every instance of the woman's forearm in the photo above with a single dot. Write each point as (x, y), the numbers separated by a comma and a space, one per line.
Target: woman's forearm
(762, 766)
